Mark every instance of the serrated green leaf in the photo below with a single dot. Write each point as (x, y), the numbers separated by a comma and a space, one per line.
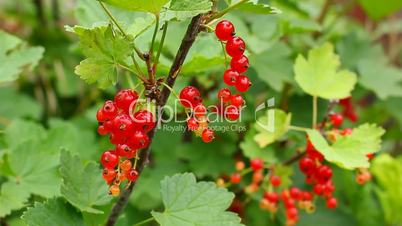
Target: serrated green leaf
(318, 75)
(151, 6)
(350, 151)
(15, 56)
(9, 96)
(271, 127)
(385, 80)
(182, 9)
(20, 131)
(105, 51)
(274, 66)
(257, 8)
(12, 197)
(52, 212)
(140, 25)
(34, 167)
(388, 174)
(188, 202)
(82, 186)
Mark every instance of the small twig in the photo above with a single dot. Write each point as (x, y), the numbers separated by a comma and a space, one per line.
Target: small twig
(135, 73)
(297, 128)
(294, 158)
(150, 71)
(315, 103)
(151, 49)
(144, 221)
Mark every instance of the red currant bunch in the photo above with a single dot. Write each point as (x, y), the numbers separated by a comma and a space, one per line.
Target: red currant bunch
(127, 130)
(348, 109)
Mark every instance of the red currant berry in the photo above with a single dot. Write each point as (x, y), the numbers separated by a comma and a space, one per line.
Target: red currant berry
(114, 190)
(292, 213)
(125, 98)
(257, 164)
(232, 113)
(123, 150)
(318, 189)
(224, 30)
(235, 46)
(224, 95)
(117, 139)
(109, 160)
(109, 110)
(336, 119)
(126, 165)
(132, 175)
(100, 116)
(237, 100)
(192, 124)
(271, 197)
(307, 196)
(239, 64)
(138, 140)
(190, 97)
(200, 110)
(346, 131)
(235, 178)
(123, 125)
(207, 135)
(230, 77)
(329, 187)
(108, 175)
(332, 203)
(275, 180)
(307, 165)
(144, 120)
(295, 193)
(289, 203)
(101, 130)
(324, 173)
(242, 83)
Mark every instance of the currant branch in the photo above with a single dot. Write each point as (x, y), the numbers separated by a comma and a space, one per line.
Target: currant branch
(188, 40)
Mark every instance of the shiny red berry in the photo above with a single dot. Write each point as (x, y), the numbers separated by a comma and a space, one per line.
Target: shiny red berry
(232, 113)
(117, 139)
(207, 135)
(292, 213)
(271, 197)
(109, 110)
(190, 97)
(125, 99)
(239, 64)
(144, 120)
(257, 164)
(200, 110)
(123, 125)
(132, 175)
(124, 150)
(307, 165)
(242, 83)
(295, 193)
(235, 46)
(236, 100)
(224, 95)
(101, 130)
(224, 30)
(332, 203)
(138, 140)
(235, 178)
(318, 189)
(109, 160)
(108, 175)
(275, 180)
(100, 116)
(336, 119)
(192, 124)
(230, 77)
(324, 173)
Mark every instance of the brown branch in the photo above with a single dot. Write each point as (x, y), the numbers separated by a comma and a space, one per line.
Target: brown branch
(188, 40)
(294, 158)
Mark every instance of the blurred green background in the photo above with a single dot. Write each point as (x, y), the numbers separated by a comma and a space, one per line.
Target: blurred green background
(43, 102)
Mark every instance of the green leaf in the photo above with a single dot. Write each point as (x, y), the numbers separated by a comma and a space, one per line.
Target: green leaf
(271, 127)
(350, 151)
(285, 173)
(199, 64)
(20, 131)
(377, 10)
(105, 51)
(140, 25)
(257, 8)
(82, 185)
(318, 75)
(182, 9)
(251, 149)
(52, 212)
(385, 80)
(388, 174)
(12, 197)
(15, 56)
(152, 6)
(274, 66)
(34, 167)
(190, 203)
(9, 96)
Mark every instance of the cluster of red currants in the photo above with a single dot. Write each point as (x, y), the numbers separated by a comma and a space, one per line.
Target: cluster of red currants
(230, 104)
(348, 109)
(190, 98)
(128, 132)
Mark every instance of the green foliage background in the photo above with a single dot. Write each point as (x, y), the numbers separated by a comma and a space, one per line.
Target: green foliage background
(49, 149)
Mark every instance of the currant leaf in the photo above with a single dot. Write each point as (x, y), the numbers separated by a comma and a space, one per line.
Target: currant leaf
(105, 50)
(83, 187)
(182, 9)
(10, 96)
(52, 212)
(188, 202)
(151, 6)
(257, 8)
(15, 55)
(271, 127)
(318, 75)
(12, 197)
(252, 150)
(350, 151)
(25, 131)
